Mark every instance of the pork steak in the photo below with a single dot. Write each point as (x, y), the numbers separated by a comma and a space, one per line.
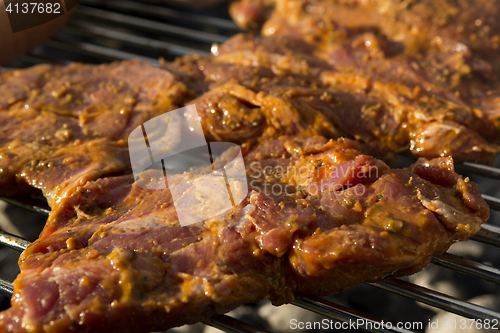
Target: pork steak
(319, 217)
(430, 68)
(63, 125)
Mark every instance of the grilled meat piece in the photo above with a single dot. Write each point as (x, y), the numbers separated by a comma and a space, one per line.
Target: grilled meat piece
(61, 126)
(432, 61)
(319, 218)
(282, 80)
(251, 14)
(241, 97)
(464, 26)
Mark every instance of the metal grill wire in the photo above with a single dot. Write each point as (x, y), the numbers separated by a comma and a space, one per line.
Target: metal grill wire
(114, 30)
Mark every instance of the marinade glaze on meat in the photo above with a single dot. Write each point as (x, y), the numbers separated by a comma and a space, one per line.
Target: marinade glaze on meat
(432, 68)
(321, 215)
(63, 125)
(116, 259)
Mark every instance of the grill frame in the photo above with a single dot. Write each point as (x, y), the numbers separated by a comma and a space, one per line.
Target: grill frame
(88, 37)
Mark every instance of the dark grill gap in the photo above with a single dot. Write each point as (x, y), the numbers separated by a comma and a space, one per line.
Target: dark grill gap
(114, 30)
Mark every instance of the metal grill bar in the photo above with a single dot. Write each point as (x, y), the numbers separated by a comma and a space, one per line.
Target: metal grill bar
(467, 266)
(6, 287)
(34, 205)
(488, 234)
(14, 242)
(479, 169)
(164, 13)
(342, 313)
(82, 28)
(148, 25)
(436, 299)
(105, 53)
(35, 60)
(231, 325)
(493, 202)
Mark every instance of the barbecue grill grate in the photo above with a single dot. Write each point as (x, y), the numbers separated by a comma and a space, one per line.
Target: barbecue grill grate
(116, 30)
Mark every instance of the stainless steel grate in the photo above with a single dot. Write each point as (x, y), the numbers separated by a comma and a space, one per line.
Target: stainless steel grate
(114, 30)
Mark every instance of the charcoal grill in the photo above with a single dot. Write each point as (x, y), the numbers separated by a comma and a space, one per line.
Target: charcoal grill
(103, 31)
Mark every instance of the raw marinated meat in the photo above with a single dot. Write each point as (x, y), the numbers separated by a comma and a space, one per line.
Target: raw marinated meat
(320, 217)
(63, 125)
(433, 65)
